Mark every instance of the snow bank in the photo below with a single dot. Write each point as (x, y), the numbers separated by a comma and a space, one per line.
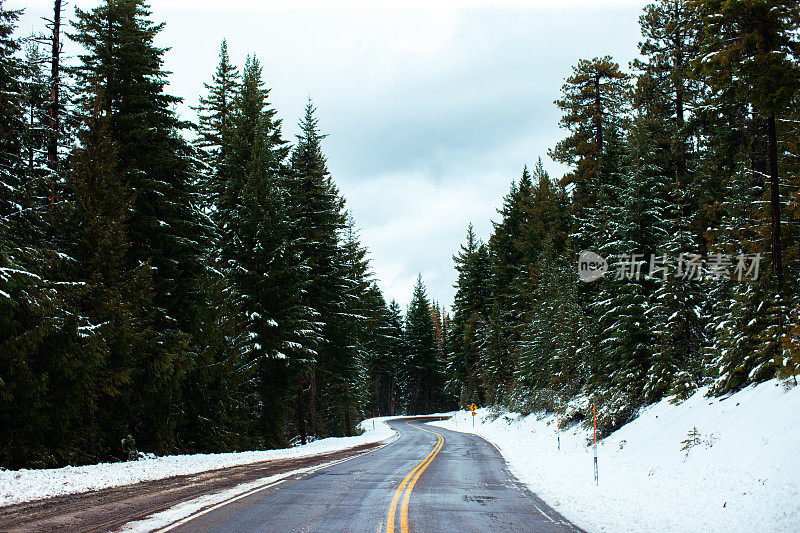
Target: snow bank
(25, 485)
(741, 473)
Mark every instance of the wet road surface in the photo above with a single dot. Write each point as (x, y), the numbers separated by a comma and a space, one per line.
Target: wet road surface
(429, 479)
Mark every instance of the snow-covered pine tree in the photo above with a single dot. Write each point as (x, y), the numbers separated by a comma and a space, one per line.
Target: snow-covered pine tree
(317, 209)
(470, 309)
(112, 300)
(218, 393)
(215, 112)
(627, 215)
(37, 173)
(420, 363)
(594, 101)
(662, 144)
(347, 331)
(750, 60)
(398, 350)
(36, 331)
(258, 252)
(540, 359)
(158, 165)
(13, 115)
(381, 354)
(594, 105)
(20, 309)
(509, 262)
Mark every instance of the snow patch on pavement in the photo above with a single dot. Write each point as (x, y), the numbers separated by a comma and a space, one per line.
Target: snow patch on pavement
(25, 485)
(741, 474)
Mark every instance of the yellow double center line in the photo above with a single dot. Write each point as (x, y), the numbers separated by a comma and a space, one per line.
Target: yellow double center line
(408, 485)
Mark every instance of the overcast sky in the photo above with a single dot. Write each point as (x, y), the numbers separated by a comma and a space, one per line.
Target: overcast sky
(431, 109)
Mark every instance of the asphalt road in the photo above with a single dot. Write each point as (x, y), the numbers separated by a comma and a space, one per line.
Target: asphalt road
(429, 479)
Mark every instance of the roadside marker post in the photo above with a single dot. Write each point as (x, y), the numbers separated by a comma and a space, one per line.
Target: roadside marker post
(558, 430)
(594, 416)
(373, 420)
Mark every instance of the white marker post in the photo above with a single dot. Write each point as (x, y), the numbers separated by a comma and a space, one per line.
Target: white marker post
(594, 415)
(558, 430)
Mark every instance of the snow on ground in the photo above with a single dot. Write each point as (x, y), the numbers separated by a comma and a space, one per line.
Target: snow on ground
(189, 510)
(25, 485)
(742, 474)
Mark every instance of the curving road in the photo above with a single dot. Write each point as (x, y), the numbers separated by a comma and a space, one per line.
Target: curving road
(429, 479)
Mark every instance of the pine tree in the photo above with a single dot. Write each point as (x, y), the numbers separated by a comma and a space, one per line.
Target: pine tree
(344, 360)
(215, 113)
(58, 97)
(626, 217)
(398, 350)
(36, 182)
(24, 302)
(12, 123)
(508, 262)
(218, 390)
(219, 393)
(664, 163)
(542, 294)
(420, 364)
(470, 309)
(52, 122)
(752, 48)
(317, 209)
(594, 102)
(382, 333)
(750, 58)
(158, 166)
(114, 301)
(258, 253)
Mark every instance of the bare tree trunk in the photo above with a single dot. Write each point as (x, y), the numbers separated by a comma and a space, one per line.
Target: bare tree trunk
(312, 399)
(759, 152)
(301, 409)
(775, 203)
(29, 183)
(416, 393)
(390, 403)
(427, 390)
(678, 67)
(92, 430)
(52, 146)
(347, 430)
(598, 117)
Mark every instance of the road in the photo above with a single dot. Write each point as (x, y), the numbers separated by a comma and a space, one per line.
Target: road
(429, 479)
(111, 508)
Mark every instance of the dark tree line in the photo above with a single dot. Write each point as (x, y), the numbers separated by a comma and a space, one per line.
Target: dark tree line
(160, 294)
(691, 155)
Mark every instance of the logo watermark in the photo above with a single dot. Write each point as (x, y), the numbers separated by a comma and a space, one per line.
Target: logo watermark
(591, 266)
(686, 266)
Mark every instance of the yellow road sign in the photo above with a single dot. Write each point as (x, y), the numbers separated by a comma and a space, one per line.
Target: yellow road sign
(473, 407)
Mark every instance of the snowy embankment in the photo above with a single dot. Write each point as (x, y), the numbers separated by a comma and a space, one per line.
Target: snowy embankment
(739, 473)
(25, 485)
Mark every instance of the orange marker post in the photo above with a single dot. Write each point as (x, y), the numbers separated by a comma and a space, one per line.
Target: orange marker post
(594, 416)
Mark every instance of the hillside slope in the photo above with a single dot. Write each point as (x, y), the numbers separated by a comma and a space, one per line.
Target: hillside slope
(741, 471)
